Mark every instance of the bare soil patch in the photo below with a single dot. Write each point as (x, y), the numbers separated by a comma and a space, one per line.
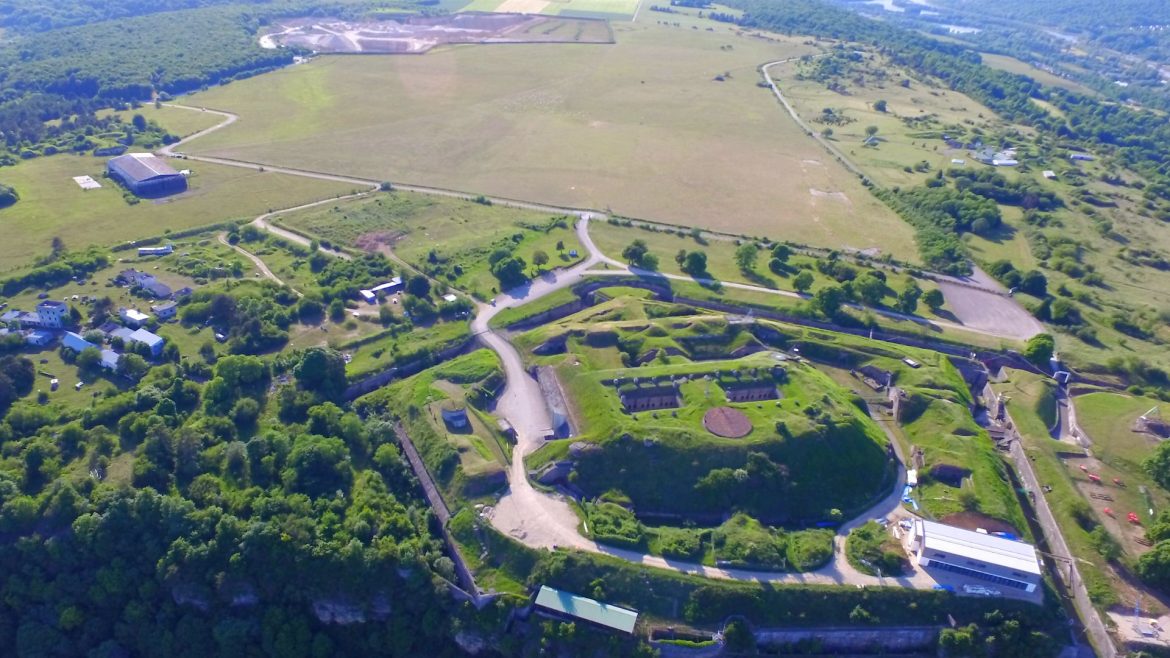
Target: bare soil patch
(418, 34)
(975, 520)
(727, 422)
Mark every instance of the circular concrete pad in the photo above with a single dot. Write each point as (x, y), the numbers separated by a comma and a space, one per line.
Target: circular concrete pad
(727, 422)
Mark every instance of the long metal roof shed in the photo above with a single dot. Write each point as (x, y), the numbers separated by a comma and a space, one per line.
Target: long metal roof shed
(1006, 553)
(596, 612)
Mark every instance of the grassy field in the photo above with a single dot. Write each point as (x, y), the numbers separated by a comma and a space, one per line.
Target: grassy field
(1116, 453)
(175, 120)
(1013, 65)
(639, 127)
(450, 239)
(52, 205)
(466, 463)
(898, 144)
(618, 10)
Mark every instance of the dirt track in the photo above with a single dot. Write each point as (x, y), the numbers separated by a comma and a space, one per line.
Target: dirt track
(537, 519)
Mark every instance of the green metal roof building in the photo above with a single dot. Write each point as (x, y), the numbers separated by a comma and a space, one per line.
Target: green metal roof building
(578, 607)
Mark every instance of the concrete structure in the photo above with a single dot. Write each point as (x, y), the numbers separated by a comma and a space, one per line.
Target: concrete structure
(133, 317)
(153, 341)
(165, 311)
(571, 607)
(146, 175)
(50, 314)
(156, 251)
(996, 560)
(87, 183)
(454, 415)
(75, 342)
(1049, 174)
(1083, 157)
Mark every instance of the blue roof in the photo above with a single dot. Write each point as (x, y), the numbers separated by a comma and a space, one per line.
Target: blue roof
(75, 342)
(144, 336)
(587, 609)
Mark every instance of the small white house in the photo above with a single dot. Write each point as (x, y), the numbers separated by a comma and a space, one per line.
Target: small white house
(133, 317)
(1049, 174)
(449, 297)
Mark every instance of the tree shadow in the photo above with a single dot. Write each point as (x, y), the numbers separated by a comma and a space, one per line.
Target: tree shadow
(1000, 234)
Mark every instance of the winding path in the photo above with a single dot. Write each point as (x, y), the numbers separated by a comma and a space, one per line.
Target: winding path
(540, 520)
(535, 518)
(222, 237)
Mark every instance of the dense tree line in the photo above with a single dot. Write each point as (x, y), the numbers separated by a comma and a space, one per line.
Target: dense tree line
(236, 531)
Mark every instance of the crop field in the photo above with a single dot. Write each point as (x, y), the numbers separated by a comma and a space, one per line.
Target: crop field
(52, 205)
(611, 9)
(639, 127)
(460, 234)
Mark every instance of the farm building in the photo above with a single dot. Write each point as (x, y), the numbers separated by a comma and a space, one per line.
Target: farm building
(571, 607)
(389, 288)
(146, 175)
(38, 337)
(75, 342)
(110, 359)
(975, 555)
(153, 341)
(166, 310)
(156, 251)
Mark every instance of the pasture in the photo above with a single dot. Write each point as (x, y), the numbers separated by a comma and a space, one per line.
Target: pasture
(52, 205)
(641, 127)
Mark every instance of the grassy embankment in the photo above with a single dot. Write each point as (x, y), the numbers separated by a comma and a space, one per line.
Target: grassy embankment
(466, 463)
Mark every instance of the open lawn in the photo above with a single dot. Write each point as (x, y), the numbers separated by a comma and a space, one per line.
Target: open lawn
(639, 127)
(52, 205)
